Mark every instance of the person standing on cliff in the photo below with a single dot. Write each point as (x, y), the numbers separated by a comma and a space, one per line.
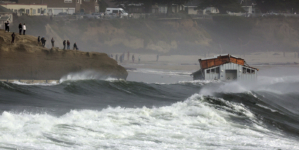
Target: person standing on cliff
(43, 41)
(24, 29)
(38, 40)
(7, 25)
(64, 42)
(133, 58)
(13, 38)
(20, 29)
(52, 41)
(75, 46)
(128, 56)
(68, 44)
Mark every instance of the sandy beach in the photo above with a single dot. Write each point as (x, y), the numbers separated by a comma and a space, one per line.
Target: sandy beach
(190, 62)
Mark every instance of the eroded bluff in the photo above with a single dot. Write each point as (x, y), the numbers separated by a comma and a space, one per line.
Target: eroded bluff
(25, 59)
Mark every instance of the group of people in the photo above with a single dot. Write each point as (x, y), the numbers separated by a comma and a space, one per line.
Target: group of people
(13, 35)
(67, 43)
(22, 28)
(122, 57)
(41, 40)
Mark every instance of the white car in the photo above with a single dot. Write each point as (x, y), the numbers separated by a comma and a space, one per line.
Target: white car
(119, 12)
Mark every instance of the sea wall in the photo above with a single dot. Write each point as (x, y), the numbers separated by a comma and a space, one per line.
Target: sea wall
(25, 59)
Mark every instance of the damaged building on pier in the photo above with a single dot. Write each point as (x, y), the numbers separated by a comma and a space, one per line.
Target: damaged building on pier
(224, 67)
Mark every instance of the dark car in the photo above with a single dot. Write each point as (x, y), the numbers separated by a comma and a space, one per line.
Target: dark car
(62, 14)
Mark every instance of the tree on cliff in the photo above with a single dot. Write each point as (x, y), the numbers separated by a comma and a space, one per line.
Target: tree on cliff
(223, 5)
(149, 3)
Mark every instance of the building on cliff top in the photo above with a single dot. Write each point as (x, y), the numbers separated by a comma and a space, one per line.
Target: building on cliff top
(5, 15)
(224, 67)
(29, 9)
(68, 6)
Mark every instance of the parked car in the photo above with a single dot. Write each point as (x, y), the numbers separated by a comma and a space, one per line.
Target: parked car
(89, 16)
(80, 15)
(62, 14)
(97, 15)
(116, 11)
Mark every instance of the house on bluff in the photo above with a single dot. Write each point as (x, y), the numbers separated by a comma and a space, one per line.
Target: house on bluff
(224, 67)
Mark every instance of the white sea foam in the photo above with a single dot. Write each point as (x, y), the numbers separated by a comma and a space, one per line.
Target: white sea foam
(191, 124)
(39, 84)
(278, 85)
(86, 75)
(161, 72)
(266, 107)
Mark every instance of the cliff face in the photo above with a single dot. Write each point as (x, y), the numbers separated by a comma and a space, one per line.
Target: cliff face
(221, 34)
(27, 60)
(186, 36)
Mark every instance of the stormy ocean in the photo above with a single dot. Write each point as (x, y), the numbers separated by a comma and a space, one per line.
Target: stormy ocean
(152, 110)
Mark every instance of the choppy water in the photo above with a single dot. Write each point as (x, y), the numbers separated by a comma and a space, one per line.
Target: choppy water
(85, 113)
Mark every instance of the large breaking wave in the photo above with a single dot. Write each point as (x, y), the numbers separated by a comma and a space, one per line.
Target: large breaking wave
(113, 114)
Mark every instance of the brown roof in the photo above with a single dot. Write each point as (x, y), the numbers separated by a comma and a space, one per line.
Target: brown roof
(220, 60)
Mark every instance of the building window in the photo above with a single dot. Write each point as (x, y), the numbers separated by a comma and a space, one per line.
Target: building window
(248, 71)
(38, 11)
(212, 70)
(217, 70)
(208, 71)
(27, 11)
(244, 70)
(253, 71)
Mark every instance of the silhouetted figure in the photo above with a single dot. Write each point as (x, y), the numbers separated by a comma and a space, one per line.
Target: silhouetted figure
(52, 41)
(68, 44)
(24, 29)
(38, 40)
(128, 56)
(138, 60)
(13, 37)
(20, 29)
(43, 41)
(133, 58)
(7, 26)
(75, 47)
(64, 43)
(122, 57)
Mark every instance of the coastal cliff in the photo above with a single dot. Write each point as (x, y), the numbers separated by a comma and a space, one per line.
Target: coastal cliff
(25, 59)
